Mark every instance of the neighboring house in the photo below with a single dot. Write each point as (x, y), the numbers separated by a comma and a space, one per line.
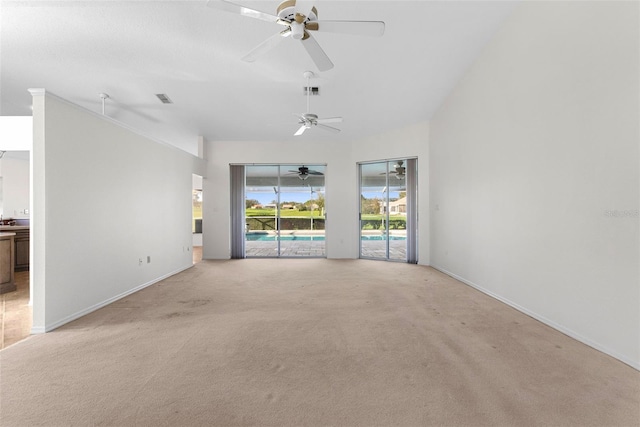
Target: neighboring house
(397, 207)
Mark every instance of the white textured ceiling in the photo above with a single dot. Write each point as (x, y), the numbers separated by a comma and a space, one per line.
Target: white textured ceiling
(135, 49)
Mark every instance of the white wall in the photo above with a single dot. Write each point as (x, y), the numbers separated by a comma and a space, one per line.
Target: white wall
(16, 133)
(103, 198)
(16, 138)
(14, 196)
(341, 240)
(341, 197)
(534, 171)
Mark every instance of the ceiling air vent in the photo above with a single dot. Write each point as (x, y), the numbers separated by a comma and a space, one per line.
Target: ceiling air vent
(164, 98)
(314, 90)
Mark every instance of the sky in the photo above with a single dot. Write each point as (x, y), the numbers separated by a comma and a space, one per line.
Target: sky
(300, 196)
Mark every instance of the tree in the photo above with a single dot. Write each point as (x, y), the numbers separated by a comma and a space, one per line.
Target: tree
(248, 203)
(369, 206)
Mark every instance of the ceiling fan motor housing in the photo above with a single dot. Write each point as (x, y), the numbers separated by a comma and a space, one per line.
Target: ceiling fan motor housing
(303, 172)
(287, 11)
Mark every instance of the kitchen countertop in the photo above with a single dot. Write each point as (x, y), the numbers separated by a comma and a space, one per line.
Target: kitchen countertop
(13, 227)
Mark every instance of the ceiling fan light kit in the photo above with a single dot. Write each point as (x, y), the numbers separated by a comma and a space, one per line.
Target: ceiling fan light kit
(399, 170)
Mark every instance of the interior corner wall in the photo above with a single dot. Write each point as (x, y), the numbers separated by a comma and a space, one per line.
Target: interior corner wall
(534, 171)
(111, 211)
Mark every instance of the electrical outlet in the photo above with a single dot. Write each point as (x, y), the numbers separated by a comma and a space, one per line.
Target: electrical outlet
(140, 261)
(148, 259)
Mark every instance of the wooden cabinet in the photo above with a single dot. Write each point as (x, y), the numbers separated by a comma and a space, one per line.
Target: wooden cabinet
(21, 243)
(7, 283)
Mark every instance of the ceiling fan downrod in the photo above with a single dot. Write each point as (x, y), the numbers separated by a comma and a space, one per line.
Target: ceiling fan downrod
(103, 96)
(308, 75)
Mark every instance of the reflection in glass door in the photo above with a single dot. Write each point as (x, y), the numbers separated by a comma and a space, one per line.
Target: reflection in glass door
(261, 211)
(387, 200)
(284, 212)
(373, 195)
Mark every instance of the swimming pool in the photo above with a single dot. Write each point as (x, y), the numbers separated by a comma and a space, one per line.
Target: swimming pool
(288, 238)
(271, 238)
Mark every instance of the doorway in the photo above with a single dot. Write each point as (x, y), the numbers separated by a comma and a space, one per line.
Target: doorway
(196, 217)
(16, 311)
(388, 214)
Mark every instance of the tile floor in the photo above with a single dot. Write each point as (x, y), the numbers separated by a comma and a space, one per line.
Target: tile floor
(15, 312)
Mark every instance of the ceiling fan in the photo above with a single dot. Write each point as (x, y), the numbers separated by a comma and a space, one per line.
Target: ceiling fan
(298, 23)
(399, 170)
(304, 172)
(306, 120)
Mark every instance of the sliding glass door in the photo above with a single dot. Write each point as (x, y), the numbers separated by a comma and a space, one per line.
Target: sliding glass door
(284, 212)
(261, 211)
(388, 217)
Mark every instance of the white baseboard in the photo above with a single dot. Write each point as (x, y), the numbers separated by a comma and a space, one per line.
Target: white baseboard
(54, 325)
(633, 363)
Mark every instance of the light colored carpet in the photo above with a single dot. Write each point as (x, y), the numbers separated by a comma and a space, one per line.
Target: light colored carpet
(312, 342)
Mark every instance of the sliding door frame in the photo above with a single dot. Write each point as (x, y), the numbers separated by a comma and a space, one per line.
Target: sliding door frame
(282, 183)
(411, 183)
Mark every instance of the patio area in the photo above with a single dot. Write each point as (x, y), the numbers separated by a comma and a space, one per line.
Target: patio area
(290, 247)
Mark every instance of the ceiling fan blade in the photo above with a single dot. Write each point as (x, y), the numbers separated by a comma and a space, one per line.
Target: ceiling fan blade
(329, 120)
(300, 132)
(329, 128)
(265, 46)
(227, 6)
(316, 53)
(304, 7)
(357, 28)
(315, 173)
